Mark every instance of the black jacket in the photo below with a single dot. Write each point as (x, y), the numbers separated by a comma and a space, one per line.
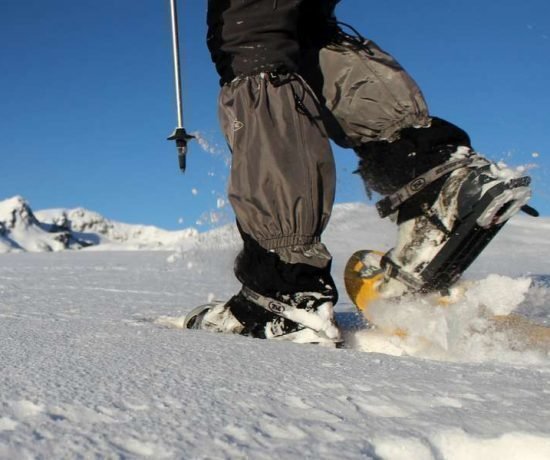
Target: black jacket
(246, 37)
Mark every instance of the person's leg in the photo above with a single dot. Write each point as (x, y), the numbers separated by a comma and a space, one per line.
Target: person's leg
(281, 189)
(449, 201)
(282, 177)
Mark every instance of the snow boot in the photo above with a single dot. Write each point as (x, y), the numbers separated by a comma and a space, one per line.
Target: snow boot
(252, 315)
(449, 202)
(439, 238)
(215, 316)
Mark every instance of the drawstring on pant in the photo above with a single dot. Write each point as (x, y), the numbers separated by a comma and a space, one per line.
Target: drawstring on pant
(278, 79)
(356, 39)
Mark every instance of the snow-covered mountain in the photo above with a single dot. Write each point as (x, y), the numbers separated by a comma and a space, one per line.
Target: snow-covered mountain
(21, 229)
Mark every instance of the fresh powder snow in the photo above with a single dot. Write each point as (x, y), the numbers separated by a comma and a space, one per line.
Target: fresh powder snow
(94, 362)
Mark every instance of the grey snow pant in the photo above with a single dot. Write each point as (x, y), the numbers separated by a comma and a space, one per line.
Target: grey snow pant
(282, 179)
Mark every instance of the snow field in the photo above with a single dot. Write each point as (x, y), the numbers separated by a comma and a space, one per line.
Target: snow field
(94, 363)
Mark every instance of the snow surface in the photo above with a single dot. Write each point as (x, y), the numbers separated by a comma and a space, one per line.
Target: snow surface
(94, 363)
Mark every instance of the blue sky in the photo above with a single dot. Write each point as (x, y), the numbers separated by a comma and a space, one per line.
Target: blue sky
(87, 98)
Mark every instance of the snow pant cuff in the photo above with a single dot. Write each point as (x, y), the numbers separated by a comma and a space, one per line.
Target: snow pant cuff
(296, 249)
(288, 241)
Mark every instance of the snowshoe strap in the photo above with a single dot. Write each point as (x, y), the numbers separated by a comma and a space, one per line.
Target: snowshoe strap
(298, 315)
(392, 270)
(389, 204)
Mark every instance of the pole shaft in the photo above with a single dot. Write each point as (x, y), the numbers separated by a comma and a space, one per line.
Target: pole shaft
(176, 51)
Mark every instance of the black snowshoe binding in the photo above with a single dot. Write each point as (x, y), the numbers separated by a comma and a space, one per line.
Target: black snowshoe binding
(474, 199)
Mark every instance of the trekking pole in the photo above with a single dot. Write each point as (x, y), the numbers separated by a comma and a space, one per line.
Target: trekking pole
(179, 135)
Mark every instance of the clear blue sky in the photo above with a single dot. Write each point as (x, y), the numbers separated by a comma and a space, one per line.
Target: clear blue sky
(87, 99)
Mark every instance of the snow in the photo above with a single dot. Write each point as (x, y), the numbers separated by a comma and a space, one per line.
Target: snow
(21, 229)
(94, 362)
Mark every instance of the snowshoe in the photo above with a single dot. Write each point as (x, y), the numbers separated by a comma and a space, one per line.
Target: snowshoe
(364, 275)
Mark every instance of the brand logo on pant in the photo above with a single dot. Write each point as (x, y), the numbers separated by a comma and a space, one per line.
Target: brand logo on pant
(418, 184)
(237, 125)
(276, 307)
